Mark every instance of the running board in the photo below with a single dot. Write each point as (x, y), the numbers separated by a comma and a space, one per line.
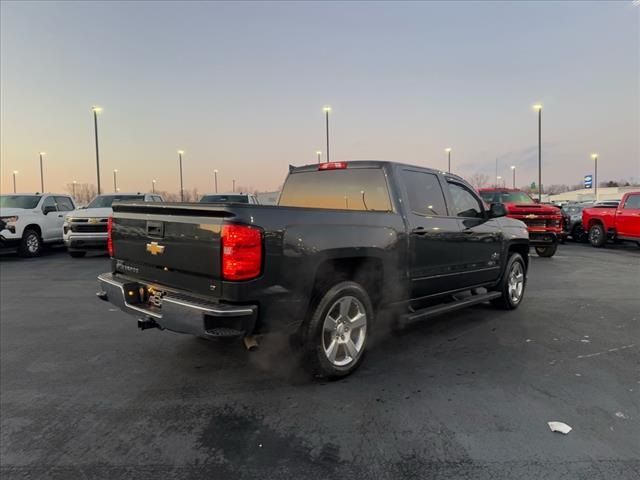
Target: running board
(450, 307)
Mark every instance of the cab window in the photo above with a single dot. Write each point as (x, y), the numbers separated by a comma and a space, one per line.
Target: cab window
(633, 201)
(49, 202)
(465, 203)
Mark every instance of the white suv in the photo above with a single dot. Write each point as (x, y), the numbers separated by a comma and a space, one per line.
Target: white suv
(28, 221)
(86, 228)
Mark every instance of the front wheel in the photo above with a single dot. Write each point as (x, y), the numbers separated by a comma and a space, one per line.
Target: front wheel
(597, 236)
(337, 331)
(547, 252)
(31, 244)
(512, 284)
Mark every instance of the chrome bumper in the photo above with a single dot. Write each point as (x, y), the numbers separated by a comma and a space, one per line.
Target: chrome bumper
(177, 314)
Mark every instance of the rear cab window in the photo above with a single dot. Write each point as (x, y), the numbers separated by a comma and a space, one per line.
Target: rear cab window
(360, 189)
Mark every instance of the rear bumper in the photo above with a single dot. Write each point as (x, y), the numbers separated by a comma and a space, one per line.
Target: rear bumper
(179, 313)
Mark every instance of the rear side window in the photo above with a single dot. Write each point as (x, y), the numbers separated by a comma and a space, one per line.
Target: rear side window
(363, 189)
(465, 203)
(633, 201)
(64, 204)
(425, 193)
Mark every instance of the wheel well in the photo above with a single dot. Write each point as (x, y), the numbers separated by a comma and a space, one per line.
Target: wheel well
(33, 226)
(366, 271)
(595, 221)
(523, 250)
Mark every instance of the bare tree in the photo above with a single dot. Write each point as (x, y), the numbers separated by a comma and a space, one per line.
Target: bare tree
(83, 193)
(478, 180)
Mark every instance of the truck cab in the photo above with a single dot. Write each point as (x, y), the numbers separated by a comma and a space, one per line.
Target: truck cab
(544, 222)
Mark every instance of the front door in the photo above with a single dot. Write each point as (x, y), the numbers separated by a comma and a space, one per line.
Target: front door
(433, 235)
(480, 250)
(628, 217)
(50, 220)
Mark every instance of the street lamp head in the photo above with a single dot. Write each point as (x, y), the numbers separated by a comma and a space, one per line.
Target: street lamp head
(96, 109)
(43, 153)
(318, 152)
(180, 152)
(75, 181)
(513, 167)
(15, 172)
(448, 149)
(115, 170)
(594, 156)
(537, 107)
(326, 108)
(215, 170)
(154, 180)
(499, 177)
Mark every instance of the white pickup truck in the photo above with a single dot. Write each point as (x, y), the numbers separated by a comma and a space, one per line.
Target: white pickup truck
(29, 221)
(86, 228)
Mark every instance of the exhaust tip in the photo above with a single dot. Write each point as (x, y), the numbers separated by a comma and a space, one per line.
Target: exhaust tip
(102, 295)
(250, 343)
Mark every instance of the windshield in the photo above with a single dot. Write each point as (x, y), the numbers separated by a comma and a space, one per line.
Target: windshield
(19, 201)
(506, 197)
(225, 199)
(105, 201)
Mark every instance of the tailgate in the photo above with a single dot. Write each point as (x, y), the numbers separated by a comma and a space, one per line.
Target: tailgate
(175, 245)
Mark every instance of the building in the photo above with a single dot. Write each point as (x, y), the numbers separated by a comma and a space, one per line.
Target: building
(588, 194)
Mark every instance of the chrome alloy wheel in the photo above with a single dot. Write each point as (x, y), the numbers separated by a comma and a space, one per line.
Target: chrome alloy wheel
(516, 283)
(344, 331)
(33, 243)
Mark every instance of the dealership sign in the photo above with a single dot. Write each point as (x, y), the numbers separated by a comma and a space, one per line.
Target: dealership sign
(588, 181)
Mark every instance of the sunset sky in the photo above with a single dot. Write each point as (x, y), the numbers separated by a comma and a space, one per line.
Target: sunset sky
(240, 87)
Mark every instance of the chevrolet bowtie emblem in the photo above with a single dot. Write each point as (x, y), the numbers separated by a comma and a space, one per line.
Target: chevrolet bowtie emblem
(532, 215)
(155, 249)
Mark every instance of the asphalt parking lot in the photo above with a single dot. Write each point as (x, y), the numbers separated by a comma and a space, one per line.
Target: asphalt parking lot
(84, 394)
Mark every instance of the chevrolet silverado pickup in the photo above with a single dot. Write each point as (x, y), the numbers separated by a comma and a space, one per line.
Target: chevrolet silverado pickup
(544, 222)
(621, 222)
(347, 240)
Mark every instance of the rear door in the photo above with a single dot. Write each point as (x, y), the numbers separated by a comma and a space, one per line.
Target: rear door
(628, 217)
(433, 234)
(480, 247)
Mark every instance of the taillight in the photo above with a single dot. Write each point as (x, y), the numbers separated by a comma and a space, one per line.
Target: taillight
(241, 252)
(109, 236)
(332, 166)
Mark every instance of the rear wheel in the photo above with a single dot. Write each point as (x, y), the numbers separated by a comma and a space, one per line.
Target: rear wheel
(513, 283)
(547, 252)
(597, 236)
(31, 243)
(337, 331)
(77, 253)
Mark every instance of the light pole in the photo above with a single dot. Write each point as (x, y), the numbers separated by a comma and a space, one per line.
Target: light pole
(41, 173)
(513, 169)
(15, 172)
(215, 179)
(538, 108)
(319, 154)
(74, 189)
(594, 157)
(95, 111)
(180, 152)
(448, 150)
(326, 109)
(234, 186)
(115, 179)
(153, 186)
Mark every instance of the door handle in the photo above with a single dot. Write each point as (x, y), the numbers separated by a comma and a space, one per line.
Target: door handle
(60, 216)
(419, 231)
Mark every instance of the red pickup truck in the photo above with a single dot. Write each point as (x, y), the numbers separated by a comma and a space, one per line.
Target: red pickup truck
(544, 222)
(615, 223)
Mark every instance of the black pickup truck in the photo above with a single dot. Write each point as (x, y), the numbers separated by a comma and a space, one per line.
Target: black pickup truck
(346, 240)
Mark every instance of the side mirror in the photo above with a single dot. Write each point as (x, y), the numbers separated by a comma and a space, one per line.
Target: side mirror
(497, 210)
(48, 209)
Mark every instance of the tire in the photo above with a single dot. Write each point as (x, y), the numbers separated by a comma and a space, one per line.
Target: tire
(578, 234)
(597, 235)
(513, 284)
(331, 350)
(31, 244)
(77, 253)
(547, 252)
